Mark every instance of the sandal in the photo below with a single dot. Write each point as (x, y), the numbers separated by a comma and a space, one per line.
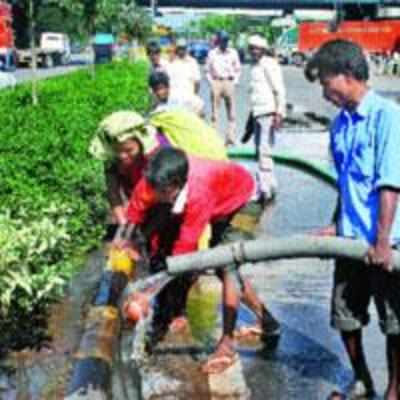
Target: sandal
(218, 363)
(268, 329)
(246, 332)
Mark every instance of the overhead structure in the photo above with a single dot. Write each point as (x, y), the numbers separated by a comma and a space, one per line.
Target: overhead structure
(268, 4)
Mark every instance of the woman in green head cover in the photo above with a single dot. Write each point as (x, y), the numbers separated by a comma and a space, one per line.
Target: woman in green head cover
(124, 140)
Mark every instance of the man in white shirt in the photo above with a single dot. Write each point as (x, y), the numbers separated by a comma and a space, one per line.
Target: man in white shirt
(183, 71)
(268, 105)
(166, 100)
(223, 73)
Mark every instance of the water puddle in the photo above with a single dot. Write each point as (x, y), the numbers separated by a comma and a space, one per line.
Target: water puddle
(43, 374)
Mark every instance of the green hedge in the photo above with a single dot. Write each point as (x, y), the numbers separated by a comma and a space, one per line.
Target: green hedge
(51, 192)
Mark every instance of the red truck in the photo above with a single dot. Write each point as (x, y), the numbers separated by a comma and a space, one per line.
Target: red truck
(379, 37)
(7, 49)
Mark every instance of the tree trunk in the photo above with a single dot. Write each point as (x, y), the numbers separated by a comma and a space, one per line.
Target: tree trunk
(35, 99)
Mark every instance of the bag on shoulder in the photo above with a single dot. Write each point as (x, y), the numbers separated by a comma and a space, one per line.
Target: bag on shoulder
(190, 133)
(249, 129)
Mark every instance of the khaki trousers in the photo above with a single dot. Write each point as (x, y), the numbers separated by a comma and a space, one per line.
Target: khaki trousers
(224, 89)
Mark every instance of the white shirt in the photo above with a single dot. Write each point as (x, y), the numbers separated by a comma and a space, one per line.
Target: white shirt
(181, 200)
(185, 101)
(262, 98)
(183, 74)
(223, 65)
(162, 67)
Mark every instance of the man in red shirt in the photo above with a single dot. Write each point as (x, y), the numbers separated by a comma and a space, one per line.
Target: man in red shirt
(201, 192)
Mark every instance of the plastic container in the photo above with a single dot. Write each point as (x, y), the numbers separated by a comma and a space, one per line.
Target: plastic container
(119, 261)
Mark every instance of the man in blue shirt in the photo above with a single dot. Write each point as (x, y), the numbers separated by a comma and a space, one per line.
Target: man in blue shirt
(365, 144)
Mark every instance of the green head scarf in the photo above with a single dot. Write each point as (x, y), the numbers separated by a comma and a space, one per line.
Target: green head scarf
(119, 127)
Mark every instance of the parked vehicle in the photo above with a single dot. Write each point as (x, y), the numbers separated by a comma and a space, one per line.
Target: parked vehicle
(54, 49)
(199, 50)
(7, 49)
(103, 47)
(377, 37)
(287, 45)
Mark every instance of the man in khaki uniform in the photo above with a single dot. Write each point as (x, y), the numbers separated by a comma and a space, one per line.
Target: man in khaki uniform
(223, 73)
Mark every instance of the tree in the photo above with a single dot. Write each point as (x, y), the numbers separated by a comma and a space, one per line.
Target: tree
(54, 18)
(31, 6)
(215, 23)
(135, 22)
(77, 18)
(235, 25)
(115, 16)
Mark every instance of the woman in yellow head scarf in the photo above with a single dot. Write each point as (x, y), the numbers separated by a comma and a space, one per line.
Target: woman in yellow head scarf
(125, 139)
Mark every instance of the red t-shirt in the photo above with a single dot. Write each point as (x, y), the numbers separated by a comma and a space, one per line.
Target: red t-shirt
(216, 190)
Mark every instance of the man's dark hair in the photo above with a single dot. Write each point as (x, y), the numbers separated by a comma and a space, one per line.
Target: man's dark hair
(158, 78)
(167, 167)
(152, 47)
(338, 57)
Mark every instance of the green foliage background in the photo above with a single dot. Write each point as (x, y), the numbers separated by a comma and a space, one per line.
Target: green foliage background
(52, 193)
(235, 25)
(81, 18)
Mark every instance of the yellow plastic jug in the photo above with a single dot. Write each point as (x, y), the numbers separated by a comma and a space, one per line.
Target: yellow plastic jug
(120, 261)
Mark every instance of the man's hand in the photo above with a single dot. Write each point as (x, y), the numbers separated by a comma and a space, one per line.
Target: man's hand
(136, 307)
(127, 247)
(380, 255)
(329, 230)
(277, 121)
(119, 213)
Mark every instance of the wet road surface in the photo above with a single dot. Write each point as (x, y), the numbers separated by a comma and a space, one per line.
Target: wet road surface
(310, 361)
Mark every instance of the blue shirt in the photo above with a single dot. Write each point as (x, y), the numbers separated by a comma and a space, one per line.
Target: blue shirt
(365, 145)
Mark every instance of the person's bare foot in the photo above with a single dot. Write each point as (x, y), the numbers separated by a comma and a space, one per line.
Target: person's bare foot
(223, 357)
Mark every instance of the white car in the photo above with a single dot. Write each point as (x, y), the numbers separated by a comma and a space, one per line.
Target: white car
(56, 43)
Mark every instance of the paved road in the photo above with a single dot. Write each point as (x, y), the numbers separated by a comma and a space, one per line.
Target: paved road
(78, 61)
(301, 94)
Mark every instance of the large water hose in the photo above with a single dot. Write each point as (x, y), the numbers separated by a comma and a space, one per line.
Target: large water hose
(317, 169)
(264, 249)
